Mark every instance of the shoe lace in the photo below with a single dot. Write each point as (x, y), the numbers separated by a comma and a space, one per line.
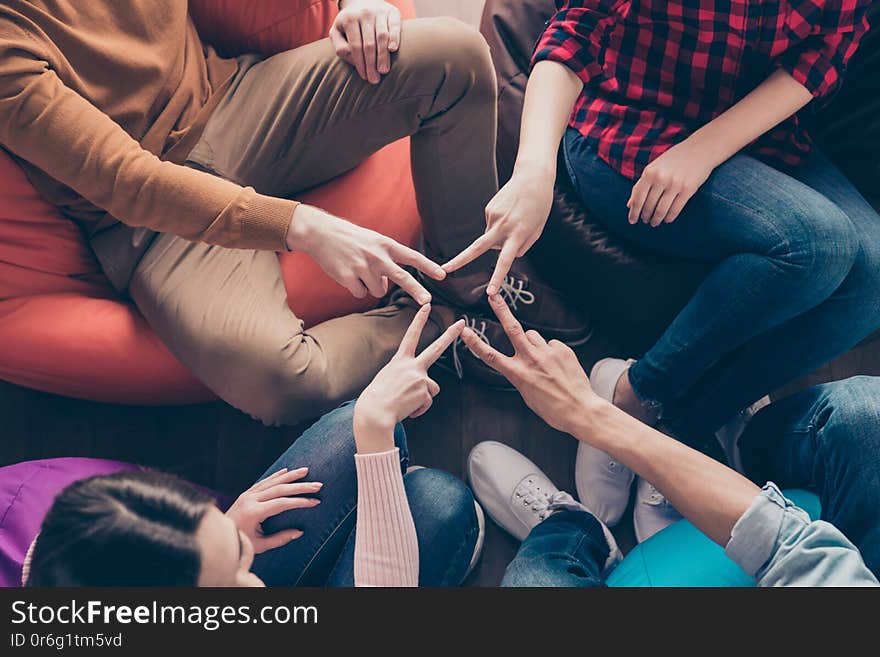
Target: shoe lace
(541, 502)
(513, 290)
(478, 326)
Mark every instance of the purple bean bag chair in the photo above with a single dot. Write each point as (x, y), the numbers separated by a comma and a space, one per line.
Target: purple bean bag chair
(28, 489)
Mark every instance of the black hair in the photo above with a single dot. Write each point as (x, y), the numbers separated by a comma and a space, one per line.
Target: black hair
(126, 529)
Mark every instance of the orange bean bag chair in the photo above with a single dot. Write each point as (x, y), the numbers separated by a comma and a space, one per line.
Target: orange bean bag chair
(64, 330)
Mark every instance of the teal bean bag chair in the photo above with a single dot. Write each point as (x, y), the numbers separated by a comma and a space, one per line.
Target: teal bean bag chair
(681, 555)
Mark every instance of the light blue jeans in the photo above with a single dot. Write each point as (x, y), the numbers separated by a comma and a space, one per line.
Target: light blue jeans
(794, 281)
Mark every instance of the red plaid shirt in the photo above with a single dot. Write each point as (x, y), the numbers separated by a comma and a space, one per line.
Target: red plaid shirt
(654, 71)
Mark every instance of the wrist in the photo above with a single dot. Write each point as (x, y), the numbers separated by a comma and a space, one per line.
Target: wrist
(302, 229)
(711, 146)
(373, 429)
(541, 171)
(588, 418)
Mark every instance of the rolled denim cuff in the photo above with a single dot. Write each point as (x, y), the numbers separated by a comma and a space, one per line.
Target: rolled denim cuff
(754, 538)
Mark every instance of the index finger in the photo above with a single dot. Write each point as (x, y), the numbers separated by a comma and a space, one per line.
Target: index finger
(407, 256)
(414, 332)
(434, 350)
(502, 267)
(491, 357)
(482, 244)
(510, 324)
(405, 281)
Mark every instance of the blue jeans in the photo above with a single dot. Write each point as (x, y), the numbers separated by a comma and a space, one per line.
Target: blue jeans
(442, 508)
(826, 439)
(568, 549)
(795, 281)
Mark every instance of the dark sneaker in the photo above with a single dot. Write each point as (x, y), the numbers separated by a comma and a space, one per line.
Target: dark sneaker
(536, 305)
(460, 360)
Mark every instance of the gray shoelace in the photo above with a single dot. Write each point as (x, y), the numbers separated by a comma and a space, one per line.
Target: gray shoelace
(513, 292)
(478, 326)
(542, 502)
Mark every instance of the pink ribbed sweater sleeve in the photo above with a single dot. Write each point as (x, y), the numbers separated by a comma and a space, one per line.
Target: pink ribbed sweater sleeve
(386, 548)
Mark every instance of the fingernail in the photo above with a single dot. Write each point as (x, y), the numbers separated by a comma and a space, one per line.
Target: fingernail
(315, 501)
(303, 469)
(318, 485)
(424, 300)
(491, 291)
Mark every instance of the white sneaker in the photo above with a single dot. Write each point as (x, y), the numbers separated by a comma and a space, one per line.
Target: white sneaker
(481, 529)
(730, 433)
(517, 495)
(652, 512)
(602, 483)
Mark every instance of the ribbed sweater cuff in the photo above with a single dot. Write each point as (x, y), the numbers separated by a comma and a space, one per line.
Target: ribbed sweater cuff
(265, 222)
(386, 546)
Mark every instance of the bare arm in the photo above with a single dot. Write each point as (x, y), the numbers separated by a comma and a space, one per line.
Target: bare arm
(515, 218)
(669, 182)
(711, 495)
(761, 531)
(550, 96)
(555, 386)
(770, 103)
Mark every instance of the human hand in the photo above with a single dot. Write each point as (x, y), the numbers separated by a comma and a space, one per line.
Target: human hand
(365, 33)
(402, 388)
(668, 183)
(515, 219)
(361, 260)
(273, 495)
(547, 374)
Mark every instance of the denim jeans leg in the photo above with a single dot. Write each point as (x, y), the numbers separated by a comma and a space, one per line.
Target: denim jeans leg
(806, 342)
(778, 248)
(568, 549)
(446, 524)
(328, 449)
(825, 438)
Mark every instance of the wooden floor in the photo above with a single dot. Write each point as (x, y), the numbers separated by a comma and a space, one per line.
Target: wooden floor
(219, 447)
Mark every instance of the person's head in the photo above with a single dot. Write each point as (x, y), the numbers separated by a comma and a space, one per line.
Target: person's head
(138, 529)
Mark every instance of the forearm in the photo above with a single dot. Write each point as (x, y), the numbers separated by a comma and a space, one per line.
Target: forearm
(711, 495)
(773, 101)
(550, 96)
(386, 551)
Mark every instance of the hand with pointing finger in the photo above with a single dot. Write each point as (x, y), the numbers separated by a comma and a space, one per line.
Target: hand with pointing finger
(402, 388)
(515, 219)
(362, 260)
(548, 375)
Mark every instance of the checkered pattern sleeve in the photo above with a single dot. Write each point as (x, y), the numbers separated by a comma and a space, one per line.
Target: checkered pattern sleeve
(835, 29)
(573, 37)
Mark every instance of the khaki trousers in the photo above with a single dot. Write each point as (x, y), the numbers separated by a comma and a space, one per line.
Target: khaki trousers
(288, 123)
